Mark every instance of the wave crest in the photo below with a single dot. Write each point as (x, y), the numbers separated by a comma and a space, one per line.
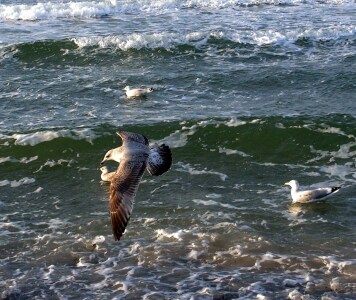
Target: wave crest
(137, 41)
(170, 40)
(94, 9)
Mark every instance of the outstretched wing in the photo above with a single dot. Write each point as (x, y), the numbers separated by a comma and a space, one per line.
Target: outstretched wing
(123, 189)
(159, 160)
(132, 137)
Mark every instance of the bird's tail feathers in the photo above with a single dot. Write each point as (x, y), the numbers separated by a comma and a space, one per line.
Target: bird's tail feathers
(335, 189)
(160, 160)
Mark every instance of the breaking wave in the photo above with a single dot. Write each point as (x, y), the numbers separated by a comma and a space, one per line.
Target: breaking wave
(95, 9)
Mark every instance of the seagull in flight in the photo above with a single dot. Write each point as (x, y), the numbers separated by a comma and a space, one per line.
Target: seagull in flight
(309, 196)
(134, 157)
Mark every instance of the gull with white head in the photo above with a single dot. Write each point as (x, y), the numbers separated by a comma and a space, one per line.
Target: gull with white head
(138, 92)
(106, 175)
(309, 196)
(134, 157)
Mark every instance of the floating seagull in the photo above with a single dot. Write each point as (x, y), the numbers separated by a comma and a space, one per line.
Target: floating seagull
(134, 156)
(310, 195)
(106, 175)
(137, 92)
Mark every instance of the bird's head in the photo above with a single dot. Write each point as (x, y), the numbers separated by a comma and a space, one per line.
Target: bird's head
(106, 157)
(113, 154)
(293, 184)
(104, 169)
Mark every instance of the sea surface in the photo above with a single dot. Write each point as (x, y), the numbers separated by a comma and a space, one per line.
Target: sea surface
(248, 94)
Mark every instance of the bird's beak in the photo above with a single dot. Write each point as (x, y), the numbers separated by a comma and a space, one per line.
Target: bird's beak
(287, 183)
(102, 163)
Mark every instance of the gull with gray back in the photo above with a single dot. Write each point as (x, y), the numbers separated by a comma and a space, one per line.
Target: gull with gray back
(134, 157)
(106, 175)
(137, 92)
(308, 196)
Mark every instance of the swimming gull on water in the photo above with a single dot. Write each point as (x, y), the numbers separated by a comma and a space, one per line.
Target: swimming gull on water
(310, 195)
(106, 175)
(139, 92)
(134, 156)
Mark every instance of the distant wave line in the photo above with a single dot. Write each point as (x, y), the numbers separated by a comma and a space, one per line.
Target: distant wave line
(294, 39)
(169, 40)
(92, 9)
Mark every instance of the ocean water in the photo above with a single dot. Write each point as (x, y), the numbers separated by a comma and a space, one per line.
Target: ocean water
(248, 94)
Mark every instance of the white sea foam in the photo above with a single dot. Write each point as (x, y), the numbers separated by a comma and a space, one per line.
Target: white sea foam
(194, 254)
(47, 274)
(88, 9)
(198, 39)
(13, 225)
(38, 190)
(53, 163)
(23, 160)
(35, 138)
(333, 130)
(347, 267)
(193, 171)
(149, 220)
(165, 40)
(83, 263)
(212, 202)
(162, 234)
(344, 172)
(50, 10)
(92, 9)
(225, 226)
(213, 196)
(332, 263)
(56, 224)
(262, 297)
(233, 151)
(345, 151)
(179, 138)
(17, 183)
(289, 38)
(295, 295)
(234, 122)
(98, 239)
(133, 41)
(205, 202)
